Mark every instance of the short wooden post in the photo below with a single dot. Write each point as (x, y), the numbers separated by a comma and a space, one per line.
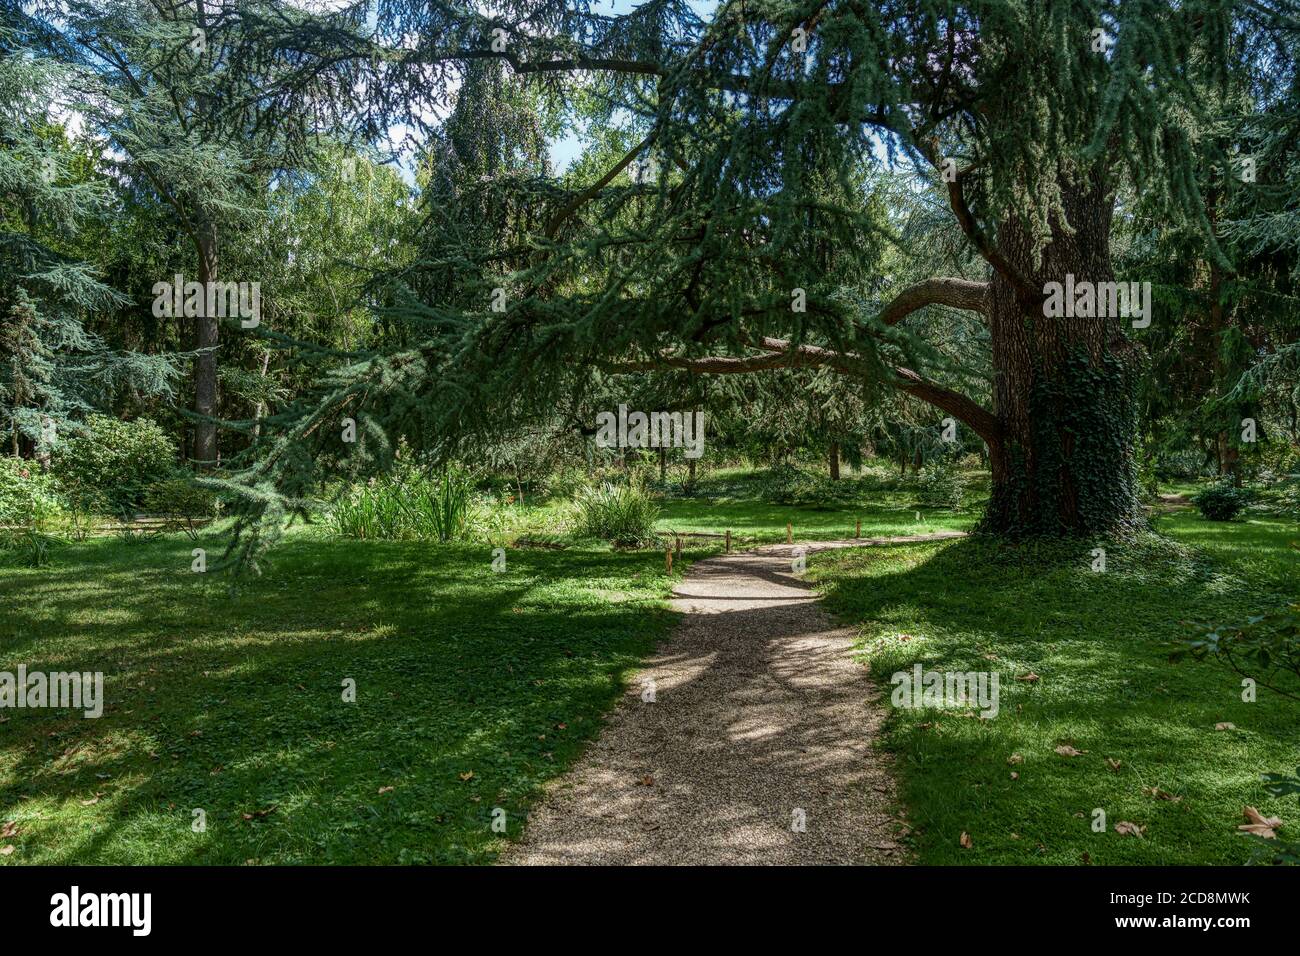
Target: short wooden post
(789, 533)
(668, 560)
(677, 549)
(857, 531)
(728, 541)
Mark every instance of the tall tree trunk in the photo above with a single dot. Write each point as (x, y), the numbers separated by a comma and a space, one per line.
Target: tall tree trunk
(205, 363)
(260, 413)
(835, 461)
(1228, 453)
(1063, 387)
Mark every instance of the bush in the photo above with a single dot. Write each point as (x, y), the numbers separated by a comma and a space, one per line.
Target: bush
(1221, 502)
(29, 497)
(114, 461)
(788, 485)
(941, 484)
(623, 514)
(182, 501)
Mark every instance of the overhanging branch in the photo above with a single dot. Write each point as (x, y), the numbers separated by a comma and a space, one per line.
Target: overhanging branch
(781, 354)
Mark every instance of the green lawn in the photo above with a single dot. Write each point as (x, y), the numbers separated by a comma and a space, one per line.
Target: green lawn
(473, 688)
(1097, 642)
(229, 699)
(727, 499)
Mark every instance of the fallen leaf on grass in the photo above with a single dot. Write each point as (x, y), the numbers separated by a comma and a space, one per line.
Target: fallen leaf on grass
(1259, 824)
(1065, 750)
(467, 775)
(1225, 725)
(1014, 775)
(1029, 678)
(1124, 828)
(385, 789)
(1161, 794)
(1015, 759)
(258, 814)
(1113, 763)
(92, 801)
(966, 840)
(6, 850)
(9, 829)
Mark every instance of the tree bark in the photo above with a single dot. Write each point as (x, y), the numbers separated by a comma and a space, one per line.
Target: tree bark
(1063, 387)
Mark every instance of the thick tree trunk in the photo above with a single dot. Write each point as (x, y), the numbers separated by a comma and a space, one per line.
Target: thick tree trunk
(835, 461)
(204, 450)
(1063, 388)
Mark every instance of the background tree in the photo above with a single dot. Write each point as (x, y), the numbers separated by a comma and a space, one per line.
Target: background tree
(54, 368)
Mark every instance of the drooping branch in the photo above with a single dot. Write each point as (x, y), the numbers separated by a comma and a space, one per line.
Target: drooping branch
(977, 417)
(781, 354)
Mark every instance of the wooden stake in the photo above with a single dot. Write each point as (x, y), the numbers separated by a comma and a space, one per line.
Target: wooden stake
(789, 533)
(728, 541)
(668, 560)
(857, 532)
(677, 550)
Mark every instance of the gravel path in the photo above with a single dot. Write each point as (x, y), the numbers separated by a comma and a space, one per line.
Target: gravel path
(760, 722)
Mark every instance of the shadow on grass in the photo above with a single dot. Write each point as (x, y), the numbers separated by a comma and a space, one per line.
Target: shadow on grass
(472, 688)
(1082, 659)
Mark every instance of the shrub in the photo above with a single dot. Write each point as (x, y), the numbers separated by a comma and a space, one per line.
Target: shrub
(182, 501)
(940, 484)
(623, 514)
(29, 497)
(788, 485)
(565, 483)
(115, 460)
(1221, 502)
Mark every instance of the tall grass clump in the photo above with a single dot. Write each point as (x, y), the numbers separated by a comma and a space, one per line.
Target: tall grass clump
(409, 505)
(623, 514)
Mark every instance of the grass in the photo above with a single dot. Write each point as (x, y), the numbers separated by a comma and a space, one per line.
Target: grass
(476, 688)
(473, 689)
(727, 499)
(1098, 645)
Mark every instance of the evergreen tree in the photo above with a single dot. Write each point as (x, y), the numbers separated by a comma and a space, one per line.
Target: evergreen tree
(52, 368)
(1028, 116)
(199, 106)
